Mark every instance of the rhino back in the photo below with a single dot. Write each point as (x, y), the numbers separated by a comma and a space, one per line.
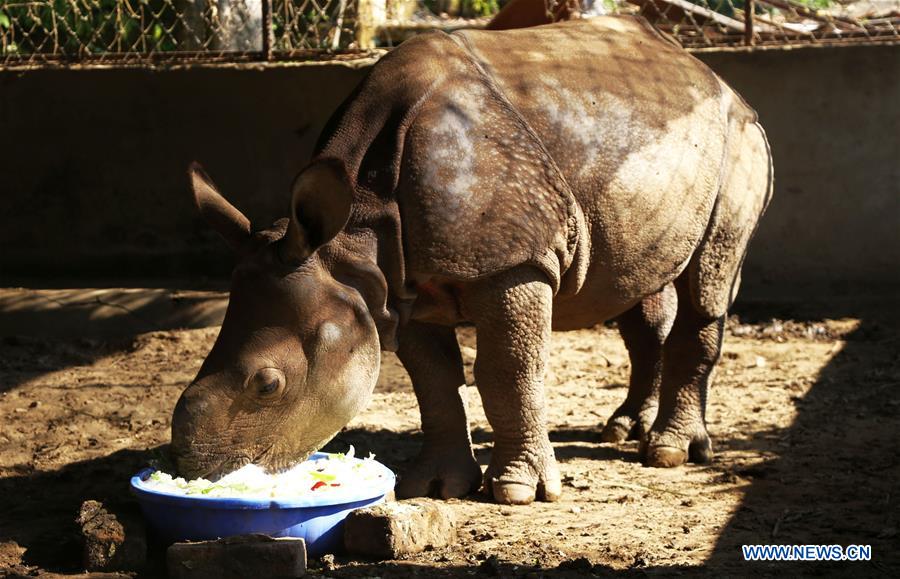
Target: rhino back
(591, 149)
(637, 127)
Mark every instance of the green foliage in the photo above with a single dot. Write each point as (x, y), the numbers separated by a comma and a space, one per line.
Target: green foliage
(297, 24)
(465, 8)
(481, 7)
(816, 4)
(79, 27)
(612, 6)
(726, 7)
(87, 26)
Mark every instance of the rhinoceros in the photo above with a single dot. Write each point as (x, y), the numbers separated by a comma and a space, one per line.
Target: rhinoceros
(520, 181)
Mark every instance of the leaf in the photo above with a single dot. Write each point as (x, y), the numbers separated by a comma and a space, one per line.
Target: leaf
(323, 477)
(4, 20)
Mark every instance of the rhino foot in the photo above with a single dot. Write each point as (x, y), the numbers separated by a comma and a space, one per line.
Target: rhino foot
(629, 424)
(527, 477)
(440, 474)
(669, 449)
(644, 329)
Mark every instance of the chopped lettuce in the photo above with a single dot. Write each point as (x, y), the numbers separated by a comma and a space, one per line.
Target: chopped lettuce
(324, 475)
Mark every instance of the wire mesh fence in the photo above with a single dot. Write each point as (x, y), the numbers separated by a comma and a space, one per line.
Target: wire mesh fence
(715, 23)
(116, 30)
(40, 32)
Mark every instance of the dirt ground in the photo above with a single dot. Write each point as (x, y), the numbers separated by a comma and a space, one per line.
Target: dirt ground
(805, 416)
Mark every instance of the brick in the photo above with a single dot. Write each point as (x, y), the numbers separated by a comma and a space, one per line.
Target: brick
(237, 557)
(394, 529)
(112, 542)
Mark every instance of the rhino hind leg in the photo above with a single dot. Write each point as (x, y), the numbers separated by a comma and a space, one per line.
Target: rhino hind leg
(689, 356)
(644, 329)
(706, 290)
(445, 467)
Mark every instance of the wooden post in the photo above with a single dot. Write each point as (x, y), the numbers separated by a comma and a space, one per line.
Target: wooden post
(338, 25)
(401, 10)
(370, 14)
(749, 8)
(268, 40)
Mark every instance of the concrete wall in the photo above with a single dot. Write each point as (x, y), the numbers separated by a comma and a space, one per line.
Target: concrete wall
(92, 163)
(833, 121)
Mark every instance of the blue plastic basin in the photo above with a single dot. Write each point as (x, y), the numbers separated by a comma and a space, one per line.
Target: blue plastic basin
(318, 519)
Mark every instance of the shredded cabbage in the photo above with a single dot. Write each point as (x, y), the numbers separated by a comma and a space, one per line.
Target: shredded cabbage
(337, 471)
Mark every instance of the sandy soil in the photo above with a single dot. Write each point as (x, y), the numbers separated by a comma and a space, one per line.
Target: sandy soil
(805, 416)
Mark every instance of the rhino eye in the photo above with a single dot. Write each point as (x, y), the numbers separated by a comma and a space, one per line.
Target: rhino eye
(267, 383)
(268, 388)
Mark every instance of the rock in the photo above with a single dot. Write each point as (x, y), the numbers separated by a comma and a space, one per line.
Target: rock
(111, 543)
(10, 554)
(579, 565)
(327, 561)
(392, 530)
(237, 557)
(490, 566)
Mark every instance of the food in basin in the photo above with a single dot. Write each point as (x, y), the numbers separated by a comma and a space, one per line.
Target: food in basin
(309, 501)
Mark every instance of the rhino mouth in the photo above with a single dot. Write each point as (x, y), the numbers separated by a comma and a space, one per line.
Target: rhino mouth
(213, 466)
(274, 462)
(267, 459)
(210, 471)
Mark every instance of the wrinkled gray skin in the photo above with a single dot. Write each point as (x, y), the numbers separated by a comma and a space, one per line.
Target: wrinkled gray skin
(520, 181)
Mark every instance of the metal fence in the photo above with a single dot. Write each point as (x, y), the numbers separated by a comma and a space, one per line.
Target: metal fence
(106, 31)
(48, 32)
(717, 23)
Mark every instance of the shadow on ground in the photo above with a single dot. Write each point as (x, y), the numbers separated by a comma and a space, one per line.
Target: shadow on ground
(48, 330)
(27, 358)
(106, 313)
(834, 480)
(39, 509)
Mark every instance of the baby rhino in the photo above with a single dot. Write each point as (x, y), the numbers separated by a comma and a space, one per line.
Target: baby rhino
(521, 181)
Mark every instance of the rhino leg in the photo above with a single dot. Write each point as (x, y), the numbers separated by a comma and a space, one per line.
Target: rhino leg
(512, 314)
(644, 329)
(445, 467)
(706, 290)
(689, 355)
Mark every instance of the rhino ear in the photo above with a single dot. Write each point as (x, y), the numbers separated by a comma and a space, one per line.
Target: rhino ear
(320, 207)
(221, 215)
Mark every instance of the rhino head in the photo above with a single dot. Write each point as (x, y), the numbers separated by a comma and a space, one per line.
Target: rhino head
(299, 351)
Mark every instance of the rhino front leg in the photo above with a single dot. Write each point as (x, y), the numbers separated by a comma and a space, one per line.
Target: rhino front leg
(689, 356)
(445, 466)
(644, 329)
(512, 315)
